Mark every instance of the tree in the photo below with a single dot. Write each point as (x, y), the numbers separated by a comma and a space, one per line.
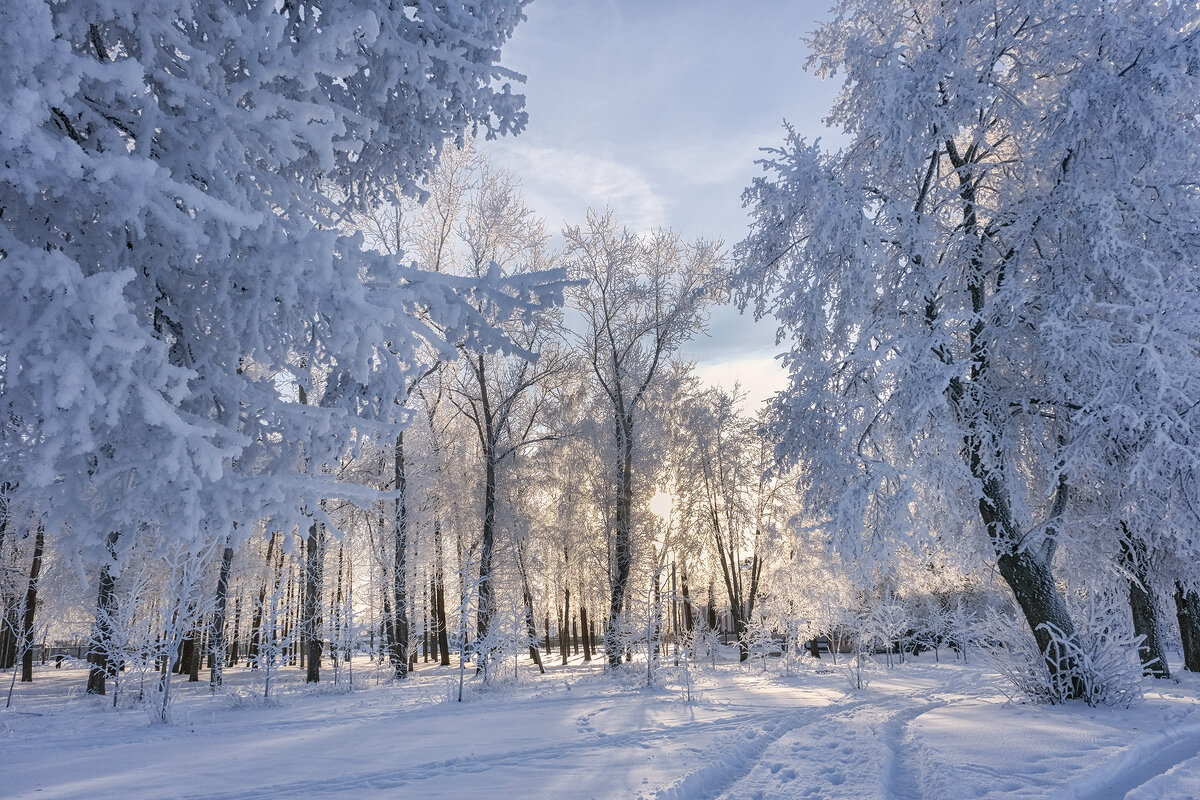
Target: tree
(174, 178)
(1015, 215)
(643, 297)
(505, 396)
(474, 223)
(732, 465)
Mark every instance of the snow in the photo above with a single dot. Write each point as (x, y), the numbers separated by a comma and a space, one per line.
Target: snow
(920, 730)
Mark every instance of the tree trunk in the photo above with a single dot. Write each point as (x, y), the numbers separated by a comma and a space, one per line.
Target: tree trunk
(217, 637)
(434, 644)
(235, 646)
(257, 620)
(1187, 609)
(31, 605)
(531, 630)
(389, 629)
(196, 656)
(622, 540)
(443, 627)
(106, 608)
(335, 611)
(1028, 574)
(1143, 607)
(11, 621)
(483, 618)
(1035, 592)
(688, 622)
(564, 644)
(314, 569)
(656, 644)
(399, 655)
(711, 612)
(8, 632)
(587, 639)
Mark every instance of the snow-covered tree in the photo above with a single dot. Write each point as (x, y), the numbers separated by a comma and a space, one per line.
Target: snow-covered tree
(172, 260)
(643, 296)
(995, 283)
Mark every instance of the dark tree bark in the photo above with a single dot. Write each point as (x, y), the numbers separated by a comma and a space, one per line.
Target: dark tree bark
(35, 571)
(389, 628)
(11, 620)
(1028, 575)
(1143, 607)
(431, 626)
(483, 618)
(257, 620)
(427, 601)
(314, 569)
(235, 645)
(8, 632)
(1187, 609)
(196, 656)
(289, 623)
(217, 637)
(531, 628)
(183, 656)
(689, 622)
(439, 576)
(335, 608)
(1026, 571)
(564, 644)
(711, 611)
(400, 646)
(587, 639)
(106, 607)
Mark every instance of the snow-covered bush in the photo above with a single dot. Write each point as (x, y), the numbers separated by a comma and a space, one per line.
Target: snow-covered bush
(1099, 666)
(759, 641)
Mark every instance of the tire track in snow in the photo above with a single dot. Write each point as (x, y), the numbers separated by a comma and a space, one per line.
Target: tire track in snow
(1141, 762)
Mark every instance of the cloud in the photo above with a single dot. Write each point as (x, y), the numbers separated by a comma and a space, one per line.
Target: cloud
(759, 377)
(561, 184)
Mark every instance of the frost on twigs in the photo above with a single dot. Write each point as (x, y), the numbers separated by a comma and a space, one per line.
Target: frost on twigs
(1102, 659)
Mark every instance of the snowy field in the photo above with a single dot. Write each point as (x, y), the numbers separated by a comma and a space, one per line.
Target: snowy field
(920, 730)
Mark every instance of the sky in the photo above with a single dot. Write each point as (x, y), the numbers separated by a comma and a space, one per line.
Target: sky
(658, 109)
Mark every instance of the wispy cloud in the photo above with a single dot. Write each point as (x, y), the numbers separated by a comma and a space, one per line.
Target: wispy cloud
(562, 184)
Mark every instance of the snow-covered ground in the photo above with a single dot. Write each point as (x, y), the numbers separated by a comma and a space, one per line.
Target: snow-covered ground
(920, 730)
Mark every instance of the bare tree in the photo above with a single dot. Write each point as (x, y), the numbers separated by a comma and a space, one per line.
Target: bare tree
(505, 395)
(644, 296)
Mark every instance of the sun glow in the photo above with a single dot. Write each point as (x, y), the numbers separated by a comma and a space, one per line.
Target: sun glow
(661, 504)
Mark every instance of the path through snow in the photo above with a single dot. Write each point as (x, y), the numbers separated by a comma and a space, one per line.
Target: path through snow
(920, 732)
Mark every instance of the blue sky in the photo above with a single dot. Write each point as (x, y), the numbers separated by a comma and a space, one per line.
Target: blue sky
(658, 109)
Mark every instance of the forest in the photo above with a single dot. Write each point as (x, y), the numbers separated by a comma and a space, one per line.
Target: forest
(295, 381)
